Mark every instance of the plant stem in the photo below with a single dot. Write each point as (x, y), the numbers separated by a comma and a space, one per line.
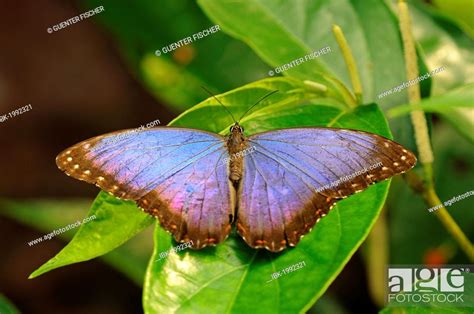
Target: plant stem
(422, 137)
(350, 62)
(417, 116)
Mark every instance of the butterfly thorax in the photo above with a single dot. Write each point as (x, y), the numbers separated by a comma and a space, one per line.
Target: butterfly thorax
(236, 144)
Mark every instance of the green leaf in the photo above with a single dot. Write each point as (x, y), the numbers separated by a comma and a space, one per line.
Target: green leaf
(280, 32)
(6, 307)
(47, 215)
(456, 106)
(228, 278)
(462, 11)
(460, 97)
(283, 31)
(115, 222)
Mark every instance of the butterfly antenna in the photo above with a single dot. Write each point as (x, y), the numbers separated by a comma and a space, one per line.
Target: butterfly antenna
(212, 95)
(259, 101)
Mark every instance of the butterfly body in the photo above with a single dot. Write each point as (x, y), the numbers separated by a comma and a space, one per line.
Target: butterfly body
(275, 195)
(236, 144)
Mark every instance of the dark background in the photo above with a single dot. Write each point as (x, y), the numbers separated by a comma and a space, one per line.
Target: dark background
(78, 87)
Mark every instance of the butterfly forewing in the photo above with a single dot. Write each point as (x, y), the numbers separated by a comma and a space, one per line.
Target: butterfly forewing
(294, 177)
(172, 173)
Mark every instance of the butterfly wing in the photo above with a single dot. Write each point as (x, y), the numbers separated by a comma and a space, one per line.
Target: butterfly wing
(172, 173)
(294, 177)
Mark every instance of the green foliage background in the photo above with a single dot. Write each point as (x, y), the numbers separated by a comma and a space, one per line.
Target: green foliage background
(257, 36)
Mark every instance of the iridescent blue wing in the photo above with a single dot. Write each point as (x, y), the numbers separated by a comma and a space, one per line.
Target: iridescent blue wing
(172, 173)
(294, 177)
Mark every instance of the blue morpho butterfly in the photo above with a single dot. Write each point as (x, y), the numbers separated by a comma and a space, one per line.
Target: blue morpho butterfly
(275, 194)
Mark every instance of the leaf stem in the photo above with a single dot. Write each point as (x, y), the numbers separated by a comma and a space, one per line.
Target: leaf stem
(317, 87)
(350, 62)
(426, 187)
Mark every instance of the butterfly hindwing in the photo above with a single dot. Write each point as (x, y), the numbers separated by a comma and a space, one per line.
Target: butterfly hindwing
(294, 177)
(172, 173)
(196, 203)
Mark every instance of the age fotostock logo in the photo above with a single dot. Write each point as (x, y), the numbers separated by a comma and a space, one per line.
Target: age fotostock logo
(422, 286)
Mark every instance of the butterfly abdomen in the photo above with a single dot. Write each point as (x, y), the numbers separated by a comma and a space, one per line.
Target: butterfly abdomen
(237, 145)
